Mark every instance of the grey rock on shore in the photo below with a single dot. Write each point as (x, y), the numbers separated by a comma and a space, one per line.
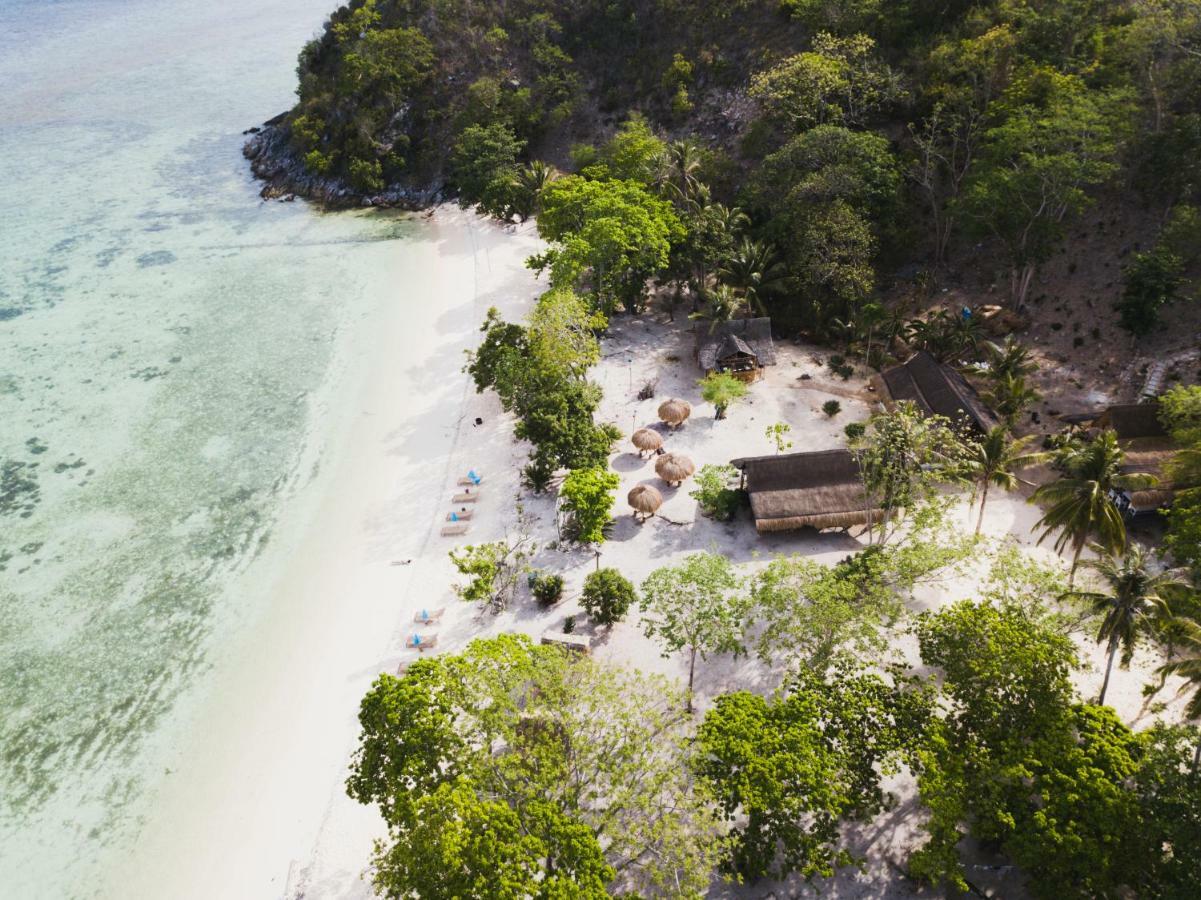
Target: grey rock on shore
(284, 176)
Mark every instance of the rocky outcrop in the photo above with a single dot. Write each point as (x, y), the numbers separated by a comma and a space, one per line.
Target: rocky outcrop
(284, 176)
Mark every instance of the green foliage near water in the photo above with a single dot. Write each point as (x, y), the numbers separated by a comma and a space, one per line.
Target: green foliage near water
(515, 770)
(836, 139)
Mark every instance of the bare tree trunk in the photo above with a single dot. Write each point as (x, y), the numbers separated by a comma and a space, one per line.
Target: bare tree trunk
(1075, 563)
(691, 673)
(983, 500)
(1113, 651)
(1196, 758)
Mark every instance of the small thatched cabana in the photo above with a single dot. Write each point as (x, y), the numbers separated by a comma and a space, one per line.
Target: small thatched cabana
(806, 490)
(1148, 448)
(674, 468)
(936, 389)
(741, 347)
(645, 500)
(675, 412)
(647, 440)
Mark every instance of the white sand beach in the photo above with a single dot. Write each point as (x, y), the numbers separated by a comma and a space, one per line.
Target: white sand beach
(247, 800)
(258, 808)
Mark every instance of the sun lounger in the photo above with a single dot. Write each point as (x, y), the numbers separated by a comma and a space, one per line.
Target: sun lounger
(576, 642)
(455, 528)
(460, 515)
(465, 498)
(471, 479)
(426, 616)
(421, 642)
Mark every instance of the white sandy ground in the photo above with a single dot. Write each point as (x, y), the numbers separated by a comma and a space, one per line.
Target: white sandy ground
(260, 811)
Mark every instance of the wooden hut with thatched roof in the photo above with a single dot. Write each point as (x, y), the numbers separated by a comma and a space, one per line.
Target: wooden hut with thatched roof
(1148, 448)
(740, 347)
(806, 490)
(936, 389)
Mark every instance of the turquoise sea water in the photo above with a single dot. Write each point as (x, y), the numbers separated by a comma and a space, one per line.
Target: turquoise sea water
(162, 336)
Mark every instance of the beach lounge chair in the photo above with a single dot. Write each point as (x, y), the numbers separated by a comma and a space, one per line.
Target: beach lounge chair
(465, 497)
(455, 528)
(427, 616)
(471, 480)
(577, 643)
(459, 515)
(421, 642)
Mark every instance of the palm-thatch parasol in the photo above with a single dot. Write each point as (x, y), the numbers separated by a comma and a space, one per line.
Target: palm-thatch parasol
(674, 412)
(674, 468)
(646, 439)
(645, 500)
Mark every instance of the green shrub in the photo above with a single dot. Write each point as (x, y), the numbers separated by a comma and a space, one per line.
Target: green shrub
(855, 430)
(831, 408)
(607, 596)
(367, 174)
(713, 492)
(586, 498)
(569, 625)
(721, 389)
(1152, 282)
(547, 588)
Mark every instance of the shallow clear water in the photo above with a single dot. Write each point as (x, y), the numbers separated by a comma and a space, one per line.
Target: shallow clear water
(162, 336)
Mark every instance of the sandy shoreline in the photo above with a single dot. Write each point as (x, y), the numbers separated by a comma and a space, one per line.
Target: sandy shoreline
(242, 808)
(257, 808)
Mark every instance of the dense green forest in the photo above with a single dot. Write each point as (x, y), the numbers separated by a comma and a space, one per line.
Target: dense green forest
(794, 157)
(845, 139)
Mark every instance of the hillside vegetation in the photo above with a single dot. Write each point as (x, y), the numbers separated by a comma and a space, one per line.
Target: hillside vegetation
(836, 139)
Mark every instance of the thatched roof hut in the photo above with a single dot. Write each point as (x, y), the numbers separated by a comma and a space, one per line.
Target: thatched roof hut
(675, 412)
(1133, 420)
(674, 467)
(645, 499)
(806, 490)
(741, 347)
(1148, 448)
(936, 389)
(646, 440)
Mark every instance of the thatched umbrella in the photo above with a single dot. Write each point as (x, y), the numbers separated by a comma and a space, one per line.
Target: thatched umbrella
(674, 412)
(646, 439)
(674, 468)
(645, 500)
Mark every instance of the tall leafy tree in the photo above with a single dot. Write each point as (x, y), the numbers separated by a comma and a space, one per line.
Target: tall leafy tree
(1016, 762)
(792, 769)
(514, 764)
(903, 457)
(607, 236)
(1054, 140)
(1133, 601)
(695, 607)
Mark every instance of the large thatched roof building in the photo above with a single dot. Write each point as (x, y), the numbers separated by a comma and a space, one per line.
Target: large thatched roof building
(741, 347)
(1148, 447)
(806, 490)
(936, 389)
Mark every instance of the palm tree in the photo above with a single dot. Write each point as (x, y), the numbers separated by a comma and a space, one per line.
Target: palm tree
(1134, 599)
(529, 182)
(1079, 503)
(751, 268)
(720, 305)
(1009, 395)
(994, 462)
(678, 170)
(1010, 357)
(1188, 667)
